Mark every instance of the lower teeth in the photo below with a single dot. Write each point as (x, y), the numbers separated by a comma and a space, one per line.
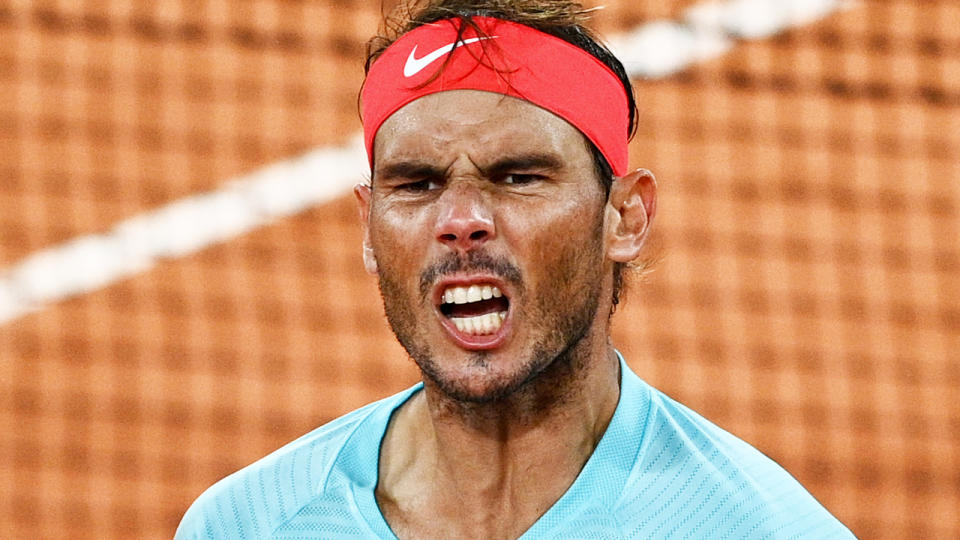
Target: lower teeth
(481, 324)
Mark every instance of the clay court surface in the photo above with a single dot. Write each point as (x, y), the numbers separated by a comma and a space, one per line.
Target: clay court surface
(806, 295)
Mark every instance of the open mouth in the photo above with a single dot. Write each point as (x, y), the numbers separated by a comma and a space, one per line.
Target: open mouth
(476, 309)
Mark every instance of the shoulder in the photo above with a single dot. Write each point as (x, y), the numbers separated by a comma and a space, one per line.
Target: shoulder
(693, 479)
(256, 500)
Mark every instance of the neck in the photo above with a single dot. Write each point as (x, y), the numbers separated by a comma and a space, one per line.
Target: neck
(494, 468)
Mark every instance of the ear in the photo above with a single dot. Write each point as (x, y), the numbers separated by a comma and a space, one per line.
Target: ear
(630, 210)
(363, 194)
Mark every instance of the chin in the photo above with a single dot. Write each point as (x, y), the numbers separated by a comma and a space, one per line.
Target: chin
(480, 380)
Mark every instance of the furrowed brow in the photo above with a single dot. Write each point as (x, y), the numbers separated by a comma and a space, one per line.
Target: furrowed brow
(409, 169)
(523, 162)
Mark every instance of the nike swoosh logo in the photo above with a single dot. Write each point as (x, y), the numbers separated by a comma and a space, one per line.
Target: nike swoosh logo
(414, 65)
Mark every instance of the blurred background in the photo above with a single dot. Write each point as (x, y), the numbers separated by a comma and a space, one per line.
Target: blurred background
(181, 289)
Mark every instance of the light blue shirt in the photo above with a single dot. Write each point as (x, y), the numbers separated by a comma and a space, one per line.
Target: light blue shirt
(660, 471)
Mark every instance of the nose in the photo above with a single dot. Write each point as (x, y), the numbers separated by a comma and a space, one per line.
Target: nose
(464, 221)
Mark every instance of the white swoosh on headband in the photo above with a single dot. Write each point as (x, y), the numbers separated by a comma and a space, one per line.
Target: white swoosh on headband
(414, 65)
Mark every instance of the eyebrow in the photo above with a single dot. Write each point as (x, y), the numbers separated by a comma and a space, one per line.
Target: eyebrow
(521, 162)
(410, 169)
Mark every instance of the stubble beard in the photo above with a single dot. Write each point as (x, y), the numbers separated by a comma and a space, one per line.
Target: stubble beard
(561, 317)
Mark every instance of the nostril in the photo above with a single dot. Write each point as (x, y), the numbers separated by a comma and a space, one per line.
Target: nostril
(478, 235)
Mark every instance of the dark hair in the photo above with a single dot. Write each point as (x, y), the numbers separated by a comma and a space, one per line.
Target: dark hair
(560, 18)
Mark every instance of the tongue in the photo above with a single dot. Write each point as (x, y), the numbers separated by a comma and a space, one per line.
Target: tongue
(493, 305)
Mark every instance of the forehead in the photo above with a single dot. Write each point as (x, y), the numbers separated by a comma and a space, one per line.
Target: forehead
(481, 125)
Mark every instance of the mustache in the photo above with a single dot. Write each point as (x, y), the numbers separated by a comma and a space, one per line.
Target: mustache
(474, 261)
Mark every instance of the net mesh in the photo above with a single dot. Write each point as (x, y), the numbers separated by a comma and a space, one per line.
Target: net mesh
(806, 297)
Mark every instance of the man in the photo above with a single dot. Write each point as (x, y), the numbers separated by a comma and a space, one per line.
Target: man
(499, 218)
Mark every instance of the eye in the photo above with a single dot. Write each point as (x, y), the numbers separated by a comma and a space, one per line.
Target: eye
(427, 184)
(520, 179)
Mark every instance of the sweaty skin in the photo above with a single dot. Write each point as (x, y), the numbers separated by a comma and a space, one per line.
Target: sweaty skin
(471, 187)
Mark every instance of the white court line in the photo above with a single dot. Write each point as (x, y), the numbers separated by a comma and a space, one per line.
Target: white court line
(91, 262)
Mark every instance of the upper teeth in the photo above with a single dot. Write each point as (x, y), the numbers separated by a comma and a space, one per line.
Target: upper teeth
(473, 293)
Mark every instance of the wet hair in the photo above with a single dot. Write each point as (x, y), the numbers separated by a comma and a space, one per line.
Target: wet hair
(560, 18)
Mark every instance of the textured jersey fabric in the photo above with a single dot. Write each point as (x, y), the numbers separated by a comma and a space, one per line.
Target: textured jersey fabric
(660, 471)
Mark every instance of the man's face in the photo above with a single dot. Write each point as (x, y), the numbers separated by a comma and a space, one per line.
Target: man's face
(485, 225)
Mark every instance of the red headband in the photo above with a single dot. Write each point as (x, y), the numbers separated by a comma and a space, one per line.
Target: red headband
(510, 59)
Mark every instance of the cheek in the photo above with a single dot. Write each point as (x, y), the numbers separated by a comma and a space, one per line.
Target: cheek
(398, 238)
(563, 242)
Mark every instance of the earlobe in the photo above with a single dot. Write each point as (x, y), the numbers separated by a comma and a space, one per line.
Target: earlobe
(631, 208)
(363, 193)
(369, 261)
